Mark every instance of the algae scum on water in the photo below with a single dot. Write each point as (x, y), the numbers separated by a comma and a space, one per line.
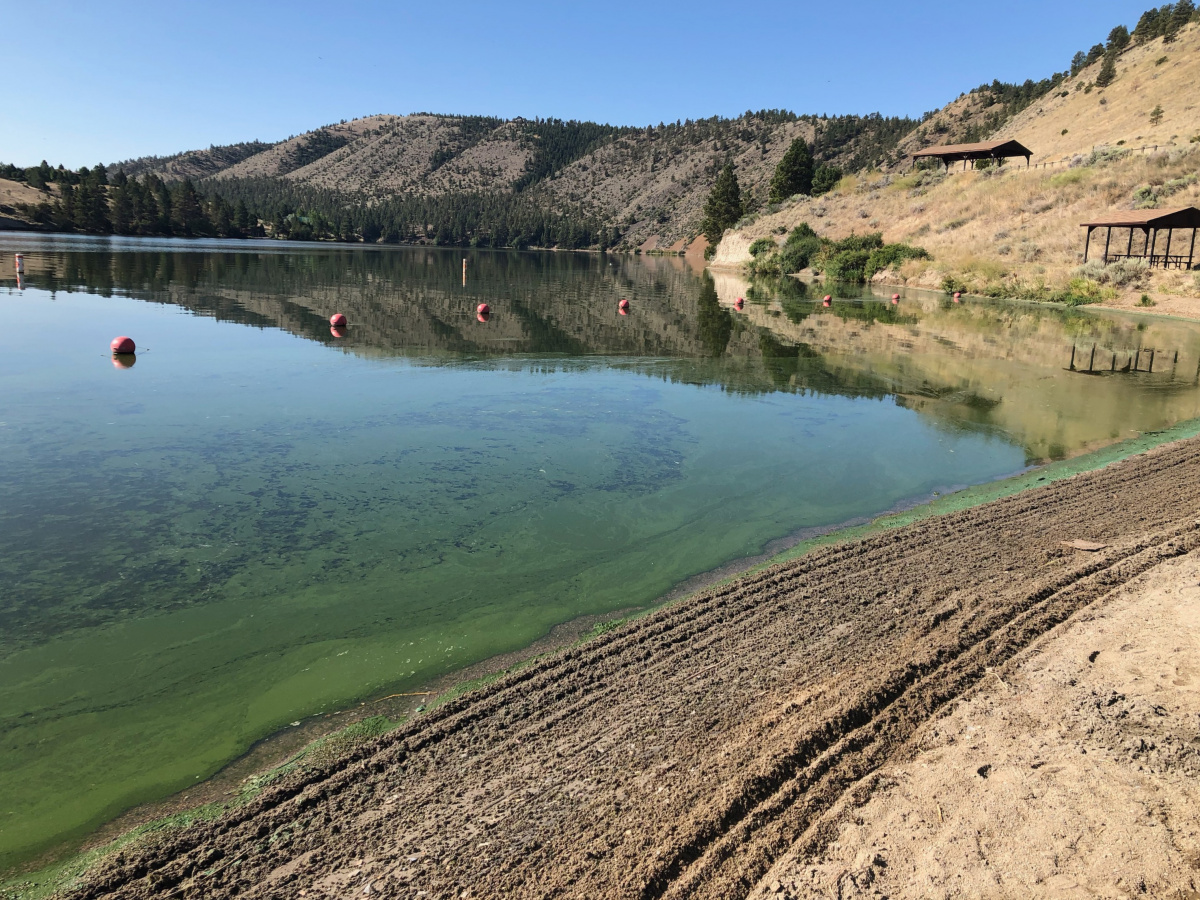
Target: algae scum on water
(261, 520)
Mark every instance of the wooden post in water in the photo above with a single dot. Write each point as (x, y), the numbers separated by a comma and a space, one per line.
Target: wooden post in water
(1093, 358)
(1151, 369)
(1072, 365)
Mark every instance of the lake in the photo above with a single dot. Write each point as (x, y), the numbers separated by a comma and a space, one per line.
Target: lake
(259, 519)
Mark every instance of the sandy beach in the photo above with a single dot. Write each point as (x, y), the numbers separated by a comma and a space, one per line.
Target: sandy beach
(915, 694)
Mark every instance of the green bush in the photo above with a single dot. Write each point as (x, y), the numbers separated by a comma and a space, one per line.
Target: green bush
(950, 285)
(847, 265)
(890, 255)
(762, 245)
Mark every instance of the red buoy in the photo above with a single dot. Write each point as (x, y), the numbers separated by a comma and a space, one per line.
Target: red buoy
(623, 305)
(484, 316)
(337, 320)
(123, 344)
(957, 296)
(483, 309)
(337, 332)
(827, 301)
(739, 303)
(895, 299)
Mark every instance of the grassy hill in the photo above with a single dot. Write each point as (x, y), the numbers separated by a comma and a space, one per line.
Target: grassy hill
(1015, 231)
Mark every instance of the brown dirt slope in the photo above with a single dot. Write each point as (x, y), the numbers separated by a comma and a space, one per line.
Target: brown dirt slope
(683, 754)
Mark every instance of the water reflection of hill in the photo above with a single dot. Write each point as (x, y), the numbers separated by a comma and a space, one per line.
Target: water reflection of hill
(1003, 365)
(974, 365)
(412, 302)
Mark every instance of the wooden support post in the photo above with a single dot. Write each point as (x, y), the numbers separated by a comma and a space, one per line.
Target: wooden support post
(1151, 369)
(1087, 243)
(1113, 367)
(1192, 249)
(1137, 359)
(1167, 253)
(1153, 242)
(1072, 365)
(1129, 249)
(1107, 238)
(1092, 359)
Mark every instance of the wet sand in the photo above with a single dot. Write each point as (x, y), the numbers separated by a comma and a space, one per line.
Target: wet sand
(712, 748)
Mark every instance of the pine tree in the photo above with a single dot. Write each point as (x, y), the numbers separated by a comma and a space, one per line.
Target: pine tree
(1108, 71)
(1078, 61)
(1118, 39)
(1149, 27)
(241, 217)
(187, 217)
(1184, 11)
(825, 179)
(122, 204)
(64, 209)
(794, 174)
(724, 205)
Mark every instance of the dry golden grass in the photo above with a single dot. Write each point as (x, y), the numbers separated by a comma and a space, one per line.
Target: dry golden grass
(1016, 227)
(14, 192)
(1120, 112)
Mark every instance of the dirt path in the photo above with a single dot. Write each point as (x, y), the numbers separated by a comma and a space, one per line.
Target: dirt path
(687, 753)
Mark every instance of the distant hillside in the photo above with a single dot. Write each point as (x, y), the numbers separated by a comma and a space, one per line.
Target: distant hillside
(485, 181)
(647, 183)
(194, 164)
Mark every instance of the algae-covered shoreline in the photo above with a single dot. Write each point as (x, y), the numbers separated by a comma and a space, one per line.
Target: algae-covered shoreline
(735, 718)
(281, 757)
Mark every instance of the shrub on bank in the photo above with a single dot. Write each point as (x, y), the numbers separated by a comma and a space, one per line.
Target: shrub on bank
(855, 258)
(1119, 273)
(762, 245)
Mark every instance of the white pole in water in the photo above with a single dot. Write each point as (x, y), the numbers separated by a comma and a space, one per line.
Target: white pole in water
(464, 272)
(20, 264)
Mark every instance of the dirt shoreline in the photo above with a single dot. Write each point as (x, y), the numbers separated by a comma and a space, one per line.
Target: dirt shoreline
(688, 752)
(1068, 773)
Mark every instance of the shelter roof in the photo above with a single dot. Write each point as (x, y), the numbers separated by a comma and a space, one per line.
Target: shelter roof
(982, 148)
(1184, 217)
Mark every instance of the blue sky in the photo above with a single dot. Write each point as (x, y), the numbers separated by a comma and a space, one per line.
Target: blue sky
(100, 82)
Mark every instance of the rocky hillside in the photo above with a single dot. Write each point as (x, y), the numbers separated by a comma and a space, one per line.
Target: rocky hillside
(1010, 230)
(649, 182)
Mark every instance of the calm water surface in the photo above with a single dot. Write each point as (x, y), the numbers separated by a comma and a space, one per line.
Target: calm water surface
(262, 520)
